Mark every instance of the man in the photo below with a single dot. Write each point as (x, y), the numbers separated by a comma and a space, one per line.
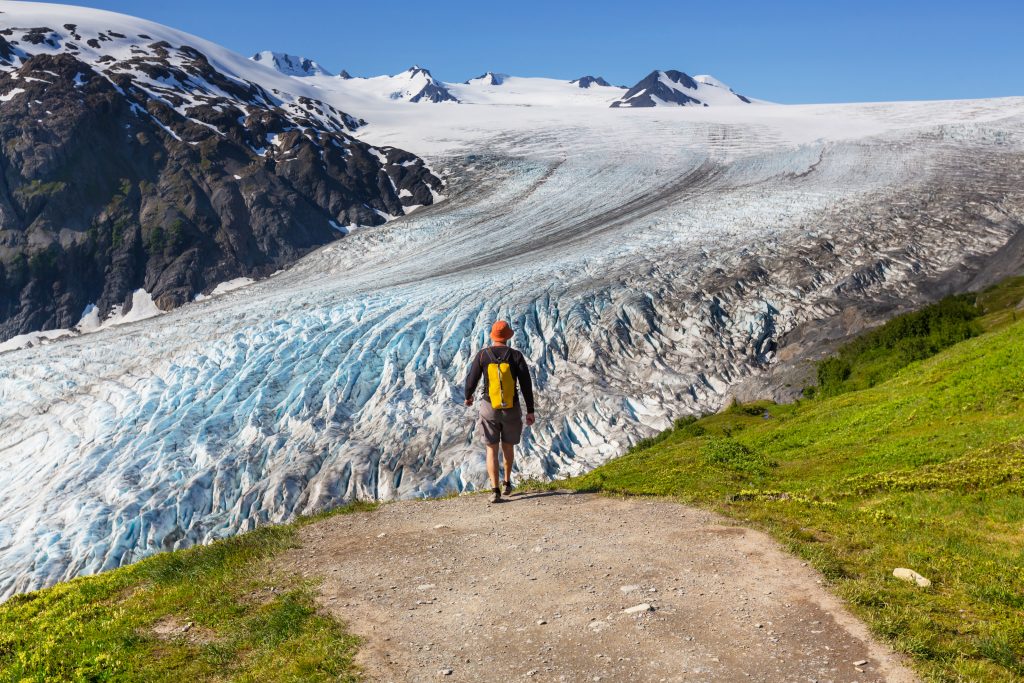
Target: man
(501, 418)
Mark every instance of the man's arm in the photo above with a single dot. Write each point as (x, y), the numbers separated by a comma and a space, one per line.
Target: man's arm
(525, 382)
(472, 379)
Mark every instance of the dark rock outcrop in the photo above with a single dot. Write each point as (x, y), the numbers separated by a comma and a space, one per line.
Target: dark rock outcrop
(290, 64)
(433, 91)
(642, 94)
(676, 88)
(587, 81)
(489, 78)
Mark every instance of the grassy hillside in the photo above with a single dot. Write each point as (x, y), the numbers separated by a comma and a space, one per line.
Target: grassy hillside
(209, 613)
(903, 463)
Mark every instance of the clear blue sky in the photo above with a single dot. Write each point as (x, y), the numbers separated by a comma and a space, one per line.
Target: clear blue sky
(786, 51)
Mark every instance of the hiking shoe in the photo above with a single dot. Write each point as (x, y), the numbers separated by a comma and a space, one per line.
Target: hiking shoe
(496, 498)
(508, 487)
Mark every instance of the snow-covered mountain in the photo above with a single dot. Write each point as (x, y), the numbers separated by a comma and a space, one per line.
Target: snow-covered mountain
(415, 84)
(290, 65)
(651, 262)
(658, 89)
(675, 88)
(213, 167)
(489, 78)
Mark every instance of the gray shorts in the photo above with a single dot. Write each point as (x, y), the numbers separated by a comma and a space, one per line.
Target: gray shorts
(505, 426)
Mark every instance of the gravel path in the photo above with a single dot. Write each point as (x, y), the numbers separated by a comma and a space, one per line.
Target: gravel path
(579, 587)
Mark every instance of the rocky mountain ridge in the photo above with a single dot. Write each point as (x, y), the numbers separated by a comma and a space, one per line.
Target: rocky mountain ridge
(133, 162)
(290, 64)
(675, 88)
(417, 84)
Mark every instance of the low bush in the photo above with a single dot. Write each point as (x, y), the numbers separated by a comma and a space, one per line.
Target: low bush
(877, 355)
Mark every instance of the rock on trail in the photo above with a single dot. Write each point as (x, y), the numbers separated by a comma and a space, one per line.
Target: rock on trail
(559, 586)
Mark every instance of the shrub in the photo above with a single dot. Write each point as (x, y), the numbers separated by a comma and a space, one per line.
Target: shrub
(688, 426)
(877, 355)
(646, 443)
(732, 454)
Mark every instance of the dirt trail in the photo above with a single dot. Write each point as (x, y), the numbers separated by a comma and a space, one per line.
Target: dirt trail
(539, 588)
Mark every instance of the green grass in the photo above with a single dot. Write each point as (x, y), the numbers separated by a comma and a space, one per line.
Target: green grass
(876, 356)
(925, 470)
(1000, 304)
(249, 624)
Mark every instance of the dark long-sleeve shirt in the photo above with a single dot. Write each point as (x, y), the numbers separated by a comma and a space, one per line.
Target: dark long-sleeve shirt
(517, 365)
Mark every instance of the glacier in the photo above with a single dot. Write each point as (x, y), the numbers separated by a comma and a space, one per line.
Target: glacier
(649, 261)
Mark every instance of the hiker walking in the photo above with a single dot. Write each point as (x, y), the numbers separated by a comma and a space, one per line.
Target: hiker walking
(501, 419)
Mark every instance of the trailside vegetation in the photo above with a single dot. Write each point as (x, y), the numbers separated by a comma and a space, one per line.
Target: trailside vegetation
(214, 612)
(914, 458)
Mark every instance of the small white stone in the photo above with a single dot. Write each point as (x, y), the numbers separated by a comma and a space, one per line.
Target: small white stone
(630, 588)
(911, 576)
(860, 662)
(642, 607)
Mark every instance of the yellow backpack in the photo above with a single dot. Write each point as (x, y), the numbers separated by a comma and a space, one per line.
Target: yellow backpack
(501, 385)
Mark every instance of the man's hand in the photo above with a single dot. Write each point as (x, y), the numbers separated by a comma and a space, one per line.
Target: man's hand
(530, 419)
(469, 401)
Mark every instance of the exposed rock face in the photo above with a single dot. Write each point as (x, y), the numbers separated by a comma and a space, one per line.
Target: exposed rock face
(290, 64)
(675, 88)
(160, 172)
(489, 78)
(654, 85)
(429, 88)
(587, 81)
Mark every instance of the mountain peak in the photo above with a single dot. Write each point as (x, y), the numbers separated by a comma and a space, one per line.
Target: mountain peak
(587, 81)
(290, 65)
(675, 88)
(489, 78)
(424, 87)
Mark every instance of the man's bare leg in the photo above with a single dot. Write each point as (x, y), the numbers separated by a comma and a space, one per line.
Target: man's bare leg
(509, 451)
(492, 464)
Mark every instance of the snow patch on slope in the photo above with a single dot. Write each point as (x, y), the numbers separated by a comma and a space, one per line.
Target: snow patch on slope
(143, 307)
(230, 285)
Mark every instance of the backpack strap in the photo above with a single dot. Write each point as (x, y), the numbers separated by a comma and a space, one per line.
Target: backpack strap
(509, 351)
